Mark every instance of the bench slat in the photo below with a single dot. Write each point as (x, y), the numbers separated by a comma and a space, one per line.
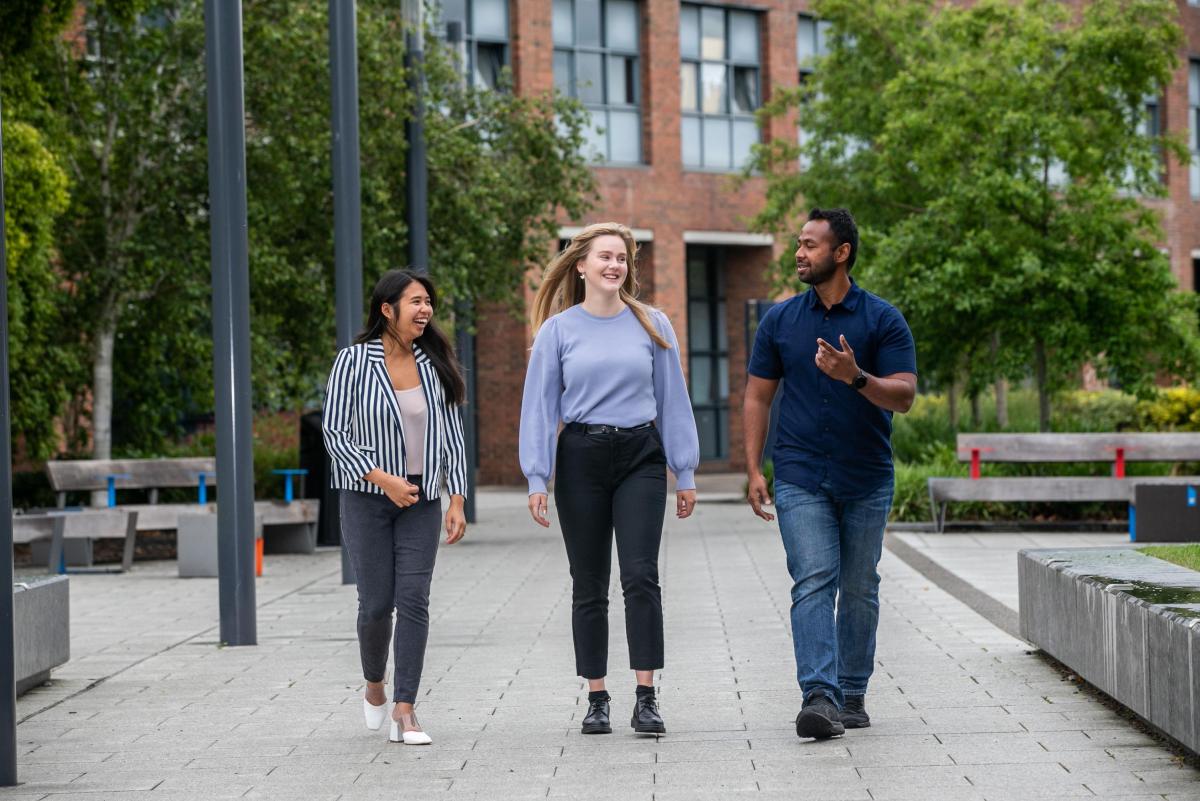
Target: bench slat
(1045, 488)
(1138, 447)
(82, 475)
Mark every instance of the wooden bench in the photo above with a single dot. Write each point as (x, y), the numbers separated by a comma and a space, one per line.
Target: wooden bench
(289, 526)
(57, 531)
(1115, 448)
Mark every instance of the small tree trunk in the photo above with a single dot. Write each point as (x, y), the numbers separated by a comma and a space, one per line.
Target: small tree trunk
(952, 404)
(1040, 375)
(102, 393)
(1002, 402)
(976, 415)
(1001, 389)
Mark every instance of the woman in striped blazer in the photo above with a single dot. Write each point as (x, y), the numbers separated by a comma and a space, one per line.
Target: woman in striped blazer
(394, 431)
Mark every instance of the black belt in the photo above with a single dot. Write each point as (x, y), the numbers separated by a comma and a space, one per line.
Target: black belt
(600, 428)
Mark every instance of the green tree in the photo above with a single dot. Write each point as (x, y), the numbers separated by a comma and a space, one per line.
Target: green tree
(39, 313)
(994, 157)
(137, 233)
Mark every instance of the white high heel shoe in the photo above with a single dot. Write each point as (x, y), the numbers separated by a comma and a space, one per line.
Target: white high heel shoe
(410, 737)
(375, 715)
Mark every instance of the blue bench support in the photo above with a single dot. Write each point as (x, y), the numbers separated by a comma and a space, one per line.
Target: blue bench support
(288, 495)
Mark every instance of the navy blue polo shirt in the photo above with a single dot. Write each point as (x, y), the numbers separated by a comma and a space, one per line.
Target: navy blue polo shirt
(827, 430)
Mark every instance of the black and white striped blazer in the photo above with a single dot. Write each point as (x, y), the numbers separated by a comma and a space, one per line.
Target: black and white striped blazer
(362, 427)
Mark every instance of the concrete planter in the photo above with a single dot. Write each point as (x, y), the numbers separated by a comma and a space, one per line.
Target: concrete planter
(1126, 622)
(42, 627)
(197, 543)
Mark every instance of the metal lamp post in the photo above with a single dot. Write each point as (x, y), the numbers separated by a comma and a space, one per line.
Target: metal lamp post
(8, 672)
(347, 187)
(231, 320)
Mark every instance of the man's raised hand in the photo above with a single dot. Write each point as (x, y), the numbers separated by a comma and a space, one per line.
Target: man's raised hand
(837, 364)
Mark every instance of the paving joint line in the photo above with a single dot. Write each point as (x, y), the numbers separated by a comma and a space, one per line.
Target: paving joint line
(996, 613)
(93, 685)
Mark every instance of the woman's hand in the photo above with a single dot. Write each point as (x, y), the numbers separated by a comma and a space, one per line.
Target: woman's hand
(538, 510)
(456, 520)
(685, 503)
(399, 491)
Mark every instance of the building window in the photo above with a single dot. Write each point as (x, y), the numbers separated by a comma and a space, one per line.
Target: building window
(708, 349)
(1194, 127)
(596, 61)
(719, 85)
(811, 43)
(485, 36)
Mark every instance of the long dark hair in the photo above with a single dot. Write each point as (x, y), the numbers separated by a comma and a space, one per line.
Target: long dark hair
(433, 342)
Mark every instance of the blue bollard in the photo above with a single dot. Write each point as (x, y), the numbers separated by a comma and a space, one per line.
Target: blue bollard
(202, 494)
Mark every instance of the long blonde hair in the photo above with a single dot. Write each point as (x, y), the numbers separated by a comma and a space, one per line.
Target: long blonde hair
(560, 289)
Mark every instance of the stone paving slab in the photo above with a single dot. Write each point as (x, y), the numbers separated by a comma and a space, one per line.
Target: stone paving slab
(152, 709)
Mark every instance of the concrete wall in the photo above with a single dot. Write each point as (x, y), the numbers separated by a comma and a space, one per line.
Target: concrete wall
(1082, 607)
(42, 628)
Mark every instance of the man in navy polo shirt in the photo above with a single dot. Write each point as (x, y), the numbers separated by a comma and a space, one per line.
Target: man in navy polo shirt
(847, 361)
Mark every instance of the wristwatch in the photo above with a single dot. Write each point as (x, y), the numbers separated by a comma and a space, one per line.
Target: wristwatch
(859, 381)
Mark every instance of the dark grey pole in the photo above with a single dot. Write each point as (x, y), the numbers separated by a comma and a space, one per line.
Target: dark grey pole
(465, 340)
(466, 355)
(8, 671)
(347, 188)
(418, 175)
(231, 320)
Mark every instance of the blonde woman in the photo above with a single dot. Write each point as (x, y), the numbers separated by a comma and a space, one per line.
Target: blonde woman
(608, 367)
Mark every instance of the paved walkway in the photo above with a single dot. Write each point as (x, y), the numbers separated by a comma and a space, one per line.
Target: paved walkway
(150, 708)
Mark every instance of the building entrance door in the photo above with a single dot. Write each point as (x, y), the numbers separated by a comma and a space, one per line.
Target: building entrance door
(708, 349)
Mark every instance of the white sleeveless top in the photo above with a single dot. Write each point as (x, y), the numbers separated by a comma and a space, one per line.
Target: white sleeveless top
(414, 415)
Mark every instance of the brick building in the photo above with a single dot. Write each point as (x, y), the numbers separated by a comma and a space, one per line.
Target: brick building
(674, 84)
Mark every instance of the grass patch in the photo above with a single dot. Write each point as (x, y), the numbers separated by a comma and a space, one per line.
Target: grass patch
(1186, 555)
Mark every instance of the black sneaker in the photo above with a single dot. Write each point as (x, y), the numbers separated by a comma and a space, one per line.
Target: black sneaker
(854, 713)
(646, 719)
(819, 719)
(596, 720)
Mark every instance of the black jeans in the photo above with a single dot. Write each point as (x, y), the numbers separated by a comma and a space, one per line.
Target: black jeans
(606, 482)
(393, 550)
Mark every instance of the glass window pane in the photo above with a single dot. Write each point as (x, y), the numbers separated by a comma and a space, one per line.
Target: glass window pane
(716, 144)
(689, 32)
(743, 36)
(454, 11)
(489, 18)
(587, 22)
(723, 379)
(697, 278)
(1194, 84)
(722, 333)
(706, 427)
(621, 85)
(806, 41)
(594, 144)
(690, 136)
(624, 137)
(589, 79)
(699, 338)
(745, 136)
(712, 32)
(621, 25)
(687, 88)
(702, 385)
(823, 27)
(745, 90)
(489, 60)
(712, 88)
(562, 71)
(564, 22)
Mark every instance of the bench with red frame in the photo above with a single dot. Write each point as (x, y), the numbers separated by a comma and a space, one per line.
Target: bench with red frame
(1115, 448)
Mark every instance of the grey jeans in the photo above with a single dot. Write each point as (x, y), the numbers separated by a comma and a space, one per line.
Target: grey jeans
(392, 550)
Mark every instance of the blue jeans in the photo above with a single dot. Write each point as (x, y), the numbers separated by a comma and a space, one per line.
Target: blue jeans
(833, 549)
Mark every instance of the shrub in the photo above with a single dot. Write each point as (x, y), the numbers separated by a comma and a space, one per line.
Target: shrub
(1175, 409)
